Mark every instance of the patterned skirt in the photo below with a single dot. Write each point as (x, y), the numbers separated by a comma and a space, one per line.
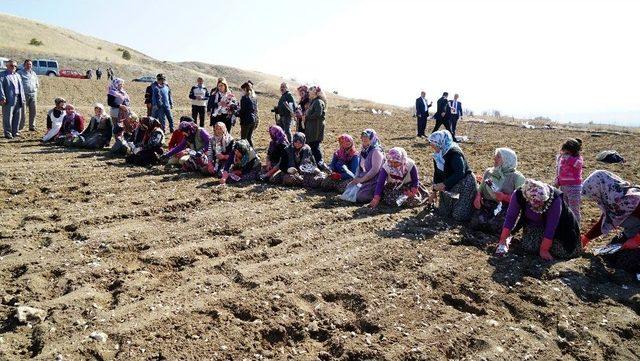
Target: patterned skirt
(532, 237)
(332, 185)
(573, 196)
(391, 194)
(485, 219)
(307, 180)
(459, 209)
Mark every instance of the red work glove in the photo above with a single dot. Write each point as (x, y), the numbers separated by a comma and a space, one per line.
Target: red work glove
(584, 240)
(335, 176)
(544, 249)
(632, 243)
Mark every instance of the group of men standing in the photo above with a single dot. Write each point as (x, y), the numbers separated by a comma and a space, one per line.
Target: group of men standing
(448, 112)
(18, 93)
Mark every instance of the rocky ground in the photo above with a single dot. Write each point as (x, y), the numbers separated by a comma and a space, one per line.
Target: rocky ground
(128, 263)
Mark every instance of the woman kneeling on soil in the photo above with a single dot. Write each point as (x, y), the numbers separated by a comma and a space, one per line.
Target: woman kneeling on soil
(452, 178)
(99, 132)
(398, 181)
(243, 166)
(191, 153)
(539, 209)
(220, 150)
(72, 126)
(126, 134)
(496, 187)
(344, 165)
(276, 155)
(301, 169)
(371, 160)
(619, 202)
(149, 150)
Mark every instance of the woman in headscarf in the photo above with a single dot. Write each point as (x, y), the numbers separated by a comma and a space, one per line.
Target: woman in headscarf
(398, 182)
(72, 126)
(220, 150)
(314, 123)
(98, 133)
(149, 150)
(619, 202)
(371, 160)
(303, 105)
(118, 100)
(244, 165)
(55, 117)
(452, 178)
(496, 187)
(538, 209)
(127, 135)
(276, 155)
(191, 153)
(301, 167)
(344, 165)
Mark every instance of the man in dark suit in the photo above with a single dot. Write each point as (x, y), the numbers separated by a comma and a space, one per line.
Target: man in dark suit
(456, 114)
(12, 99)
(422, 113)
(443, 113)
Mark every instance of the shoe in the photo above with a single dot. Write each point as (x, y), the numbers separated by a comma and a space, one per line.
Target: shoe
(18, 134)
(32, 129)
(8, 136)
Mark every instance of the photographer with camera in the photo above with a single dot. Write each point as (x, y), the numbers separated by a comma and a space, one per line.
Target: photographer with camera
(285, 110)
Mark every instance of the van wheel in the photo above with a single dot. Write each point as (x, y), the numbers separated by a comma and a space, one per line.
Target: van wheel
(51, 73)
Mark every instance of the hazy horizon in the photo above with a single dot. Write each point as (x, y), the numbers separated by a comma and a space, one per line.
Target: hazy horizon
(570, 61)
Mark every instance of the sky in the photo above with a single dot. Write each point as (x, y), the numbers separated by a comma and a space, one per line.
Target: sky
(570, 60)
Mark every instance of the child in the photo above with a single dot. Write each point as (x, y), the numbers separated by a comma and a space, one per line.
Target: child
(569, 174)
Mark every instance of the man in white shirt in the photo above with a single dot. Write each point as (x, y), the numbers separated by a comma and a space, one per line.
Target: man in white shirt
(30, 83)
(11, 99)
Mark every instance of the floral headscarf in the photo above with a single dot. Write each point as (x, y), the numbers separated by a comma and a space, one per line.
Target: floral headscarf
(345, 154)
(444, 141)
(188, 128)
(537, 194)
(615, 197)
(375, 143)
(220, 143)
(397, 154)
(120, 94)
(278, 136)
(248, 154)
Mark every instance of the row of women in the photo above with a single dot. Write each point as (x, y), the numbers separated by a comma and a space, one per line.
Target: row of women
(502, 201)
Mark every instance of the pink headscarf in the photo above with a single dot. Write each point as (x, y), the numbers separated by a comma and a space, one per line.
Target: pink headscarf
(345, 154)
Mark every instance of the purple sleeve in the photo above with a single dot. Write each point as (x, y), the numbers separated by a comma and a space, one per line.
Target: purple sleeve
(553, 218)
(206, 138)
(512, 213)
(382, 179)
(414, 177)
(178, 148)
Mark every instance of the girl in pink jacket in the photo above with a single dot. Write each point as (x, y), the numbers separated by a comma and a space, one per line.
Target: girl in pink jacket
(569, 174)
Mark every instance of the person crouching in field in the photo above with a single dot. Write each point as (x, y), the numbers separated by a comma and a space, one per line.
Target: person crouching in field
(243, 166)
(398, 182)
(301, 167)
(72, 126)
(569, 174)
(452, 178)
(344, 165)
(192, 152)
(549, 228)
(276, 155)
(98, 133)
(126, 135)
(619, 202)
(371, 160)
(149, 150)
(494, 195)
(220, 149)
(55, 117)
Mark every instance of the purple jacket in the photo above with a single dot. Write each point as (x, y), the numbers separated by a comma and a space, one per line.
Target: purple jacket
(549, 220)
(205, 138)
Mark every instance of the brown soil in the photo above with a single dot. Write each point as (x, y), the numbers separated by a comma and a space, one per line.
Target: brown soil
(171, 267)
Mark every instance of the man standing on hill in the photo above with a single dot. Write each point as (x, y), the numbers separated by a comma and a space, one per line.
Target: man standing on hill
(30, 83)
(199, 96)
(286, 106)
(109, 74)
(456, 114)
(422, 113)
(443, 113)
(162, 102)
(11, 99)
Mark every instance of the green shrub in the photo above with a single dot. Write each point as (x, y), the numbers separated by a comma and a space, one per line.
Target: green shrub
(35, 42)
(120, 49)
(126, 55)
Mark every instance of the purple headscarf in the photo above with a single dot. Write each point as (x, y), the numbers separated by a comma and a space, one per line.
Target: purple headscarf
(375, 142)
(278, 136)
(120, 94)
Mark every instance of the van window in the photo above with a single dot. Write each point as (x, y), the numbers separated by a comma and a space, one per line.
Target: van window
(52, 64)
(42, 63)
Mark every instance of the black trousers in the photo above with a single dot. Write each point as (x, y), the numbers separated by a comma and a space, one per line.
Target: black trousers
(224, 119)
(198, 111)
(442, 121)
(454, 125)
(422, 124)
(316, 151)
(246, 132)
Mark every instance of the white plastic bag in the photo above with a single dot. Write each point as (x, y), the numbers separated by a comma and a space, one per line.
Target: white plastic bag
(351, 193)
